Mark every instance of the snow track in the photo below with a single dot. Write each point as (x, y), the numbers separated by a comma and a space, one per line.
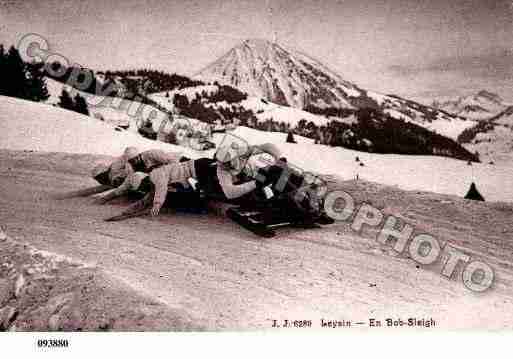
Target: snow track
(223, 277)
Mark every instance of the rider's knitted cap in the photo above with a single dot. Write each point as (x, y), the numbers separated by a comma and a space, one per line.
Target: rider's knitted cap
(130, 152)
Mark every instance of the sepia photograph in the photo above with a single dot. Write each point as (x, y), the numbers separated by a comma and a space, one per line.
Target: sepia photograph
(274, 166)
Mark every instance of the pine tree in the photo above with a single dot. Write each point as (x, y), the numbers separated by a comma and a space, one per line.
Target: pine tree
(80, 105)
(20, 79)
(301, 125)
(2, 57)
(3, 64)
(36, 83)
(15, 74)
(65, 101)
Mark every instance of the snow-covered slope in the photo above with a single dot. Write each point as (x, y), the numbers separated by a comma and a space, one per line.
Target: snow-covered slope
(426, 173)
(267, 70)
(255, 137)
(165, 98)
(482, 105)
(492, 138)
(287, 77)
(39, 127)
(113, 110)
(408, 111)
(424, 116)
(263, 109)
(495, 145)
(505, 117)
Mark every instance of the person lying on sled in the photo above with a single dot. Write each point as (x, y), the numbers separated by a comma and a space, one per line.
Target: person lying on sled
(218, 179)
(139, 164)
(132, 161)
(114, 174)
(107, 175)
(132, 183)
(147, 161)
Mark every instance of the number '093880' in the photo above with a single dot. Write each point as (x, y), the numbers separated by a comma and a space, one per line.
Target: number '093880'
(52, 343)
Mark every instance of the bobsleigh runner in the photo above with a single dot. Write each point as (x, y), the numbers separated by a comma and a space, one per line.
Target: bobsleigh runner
(293, 199)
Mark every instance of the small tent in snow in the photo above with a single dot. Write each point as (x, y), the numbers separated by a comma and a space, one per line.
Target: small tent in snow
(474, 194)
(290, 138)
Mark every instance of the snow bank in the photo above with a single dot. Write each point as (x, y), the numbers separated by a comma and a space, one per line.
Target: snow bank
(254, 137)
(113, 110)
(291, 115)
(445, 125)
(38, 127)
(451, 129)
(50, 292)
(35, 126)
(425, 173)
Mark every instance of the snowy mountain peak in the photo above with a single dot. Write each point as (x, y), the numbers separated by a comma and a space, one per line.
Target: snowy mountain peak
(484, 104)
(490, 96)
(268, 70)
(259, 44)
(288, 77)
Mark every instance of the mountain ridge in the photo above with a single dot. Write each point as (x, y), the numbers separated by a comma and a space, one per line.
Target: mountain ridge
(293, 78)
(278, 74)
(482, 105)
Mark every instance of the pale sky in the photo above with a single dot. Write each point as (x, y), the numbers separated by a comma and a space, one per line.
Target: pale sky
(418, 49)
